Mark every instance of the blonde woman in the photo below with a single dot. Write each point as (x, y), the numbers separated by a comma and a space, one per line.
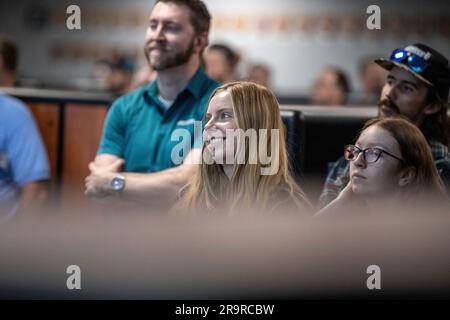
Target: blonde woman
(244, 159)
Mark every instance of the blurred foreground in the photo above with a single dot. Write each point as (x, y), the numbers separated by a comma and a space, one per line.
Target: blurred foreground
(135, 256)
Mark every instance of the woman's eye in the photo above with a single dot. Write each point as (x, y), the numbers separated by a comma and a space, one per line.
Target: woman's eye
(226, 115)
(377, 152)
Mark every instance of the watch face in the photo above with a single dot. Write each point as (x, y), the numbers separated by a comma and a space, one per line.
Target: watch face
(118, 183)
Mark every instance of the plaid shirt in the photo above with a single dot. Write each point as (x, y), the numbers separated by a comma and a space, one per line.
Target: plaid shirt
(338, 176)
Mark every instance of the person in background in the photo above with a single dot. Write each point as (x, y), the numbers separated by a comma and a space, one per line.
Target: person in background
(115, 75)
(260, 74)
(143, 76)
(24, 168)
(416, 87)
(223, 184)
(372, 78)
(135, 159)
(331, 88)
(391, 167)
(122, 71)
(221, 63)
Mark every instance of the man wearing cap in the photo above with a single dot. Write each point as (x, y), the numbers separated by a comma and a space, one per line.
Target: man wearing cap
(138, 131)
(417, 87)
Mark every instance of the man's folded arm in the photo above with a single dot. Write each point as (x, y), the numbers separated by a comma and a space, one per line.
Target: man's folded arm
(161, 186)
(155, 188)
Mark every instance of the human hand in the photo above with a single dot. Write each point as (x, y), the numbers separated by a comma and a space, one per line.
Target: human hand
(348, 197)
(98, 183)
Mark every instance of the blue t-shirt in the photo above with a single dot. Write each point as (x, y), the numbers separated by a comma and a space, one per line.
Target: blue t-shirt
(139, 129)
(23, 157)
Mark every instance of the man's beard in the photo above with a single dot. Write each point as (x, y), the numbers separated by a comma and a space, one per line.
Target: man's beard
(169, 60)
(387, 108)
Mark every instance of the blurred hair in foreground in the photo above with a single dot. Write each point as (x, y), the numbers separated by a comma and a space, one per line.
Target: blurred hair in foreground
(234, 257)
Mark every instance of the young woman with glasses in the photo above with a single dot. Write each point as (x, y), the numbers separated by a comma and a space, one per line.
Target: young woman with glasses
(391, 166)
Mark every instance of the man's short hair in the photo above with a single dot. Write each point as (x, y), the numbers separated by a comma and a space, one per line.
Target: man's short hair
(9, 53)
(200, 16)
(230, 56)
(342, 80)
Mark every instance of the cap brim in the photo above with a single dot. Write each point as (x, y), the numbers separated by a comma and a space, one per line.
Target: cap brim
(389, 64)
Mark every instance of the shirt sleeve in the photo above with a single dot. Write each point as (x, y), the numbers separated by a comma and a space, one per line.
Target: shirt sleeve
(443, 168)
(114, 129)
(26, 152)
(335, 182)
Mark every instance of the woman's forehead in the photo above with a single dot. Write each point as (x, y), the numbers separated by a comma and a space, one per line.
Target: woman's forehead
(220, 100)
(377, 136)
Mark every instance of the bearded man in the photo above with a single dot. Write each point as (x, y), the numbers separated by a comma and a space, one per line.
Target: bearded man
(137, 135)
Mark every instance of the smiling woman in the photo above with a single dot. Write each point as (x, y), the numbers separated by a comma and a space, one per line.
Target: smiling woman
(391, 166)
(232, 179)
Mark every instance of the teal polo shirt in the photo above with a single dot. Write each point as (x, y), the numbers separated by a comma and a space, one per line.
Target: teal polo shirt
(139, 129)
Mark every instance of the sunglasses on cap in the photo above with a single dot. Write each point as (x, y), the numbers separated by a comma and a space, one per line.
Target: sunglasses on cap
(416, 63)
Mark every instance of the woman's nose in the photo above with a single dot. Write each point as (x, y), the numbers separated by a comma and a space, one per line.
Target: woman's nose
(360, 161)
(209, 124)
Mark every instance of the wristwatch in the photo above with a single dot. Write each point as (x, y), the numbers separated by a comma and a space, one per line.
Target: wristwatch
(118, 183)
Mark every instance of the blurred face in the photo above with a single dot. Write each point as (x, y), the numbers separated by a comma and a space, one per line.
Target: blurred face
(380, 178)
(326, 91)
(119, 81)
(102, 73)
(170, 37)
(216, 65)
(403, 94)
(373, 78)
(219, 118)
(259, 76)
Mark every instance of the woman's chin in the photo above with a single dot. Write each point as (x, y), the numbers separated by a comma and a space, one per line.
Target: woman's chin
(359, 189)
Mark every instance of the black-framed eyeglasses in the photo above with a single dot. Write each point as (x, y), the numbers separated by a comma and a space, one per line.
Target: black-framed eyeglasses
(370, 155)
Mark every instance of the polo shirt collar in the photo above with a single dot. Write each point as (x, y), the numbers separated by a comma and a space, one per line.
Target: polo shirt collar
(194, 86)
(152, 90)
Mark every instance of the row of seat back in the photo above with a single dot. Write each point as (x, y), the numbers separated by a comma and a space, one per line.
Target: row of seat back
(316, 137)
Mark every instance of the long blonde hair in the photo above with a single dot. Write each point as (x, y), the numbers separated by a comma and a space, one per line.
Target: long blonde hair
(255, 107)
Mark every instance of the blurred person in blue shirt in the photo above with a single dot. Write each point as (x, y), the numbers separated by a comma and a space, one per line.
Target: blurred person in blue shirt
(24, 168)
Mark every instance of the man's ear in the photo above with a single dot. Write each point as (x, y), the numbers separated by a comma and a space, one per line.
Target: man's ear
(432, 108)
(407, 176)
(200, 42)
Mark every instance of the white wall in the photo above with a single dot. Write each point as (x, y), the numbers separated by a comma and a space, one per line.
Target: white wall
(295, 56)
